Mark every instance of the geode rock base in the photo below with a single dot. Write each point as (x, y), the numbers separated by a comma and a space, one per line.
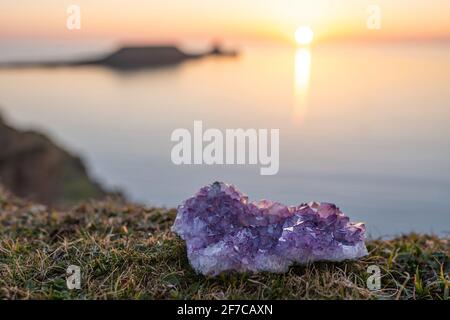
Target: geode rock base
(225, 232)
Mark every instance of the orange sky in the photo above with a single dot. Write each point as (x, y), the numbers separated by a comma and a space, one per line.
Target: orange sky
(178, 20)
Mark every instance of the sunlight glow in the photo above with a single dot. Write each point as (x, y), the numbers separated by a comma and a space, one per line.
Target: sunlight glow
(304, 35)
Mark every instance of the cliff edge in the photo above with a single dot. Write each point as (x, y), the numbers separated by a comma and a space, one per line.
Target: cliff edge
(33, 167)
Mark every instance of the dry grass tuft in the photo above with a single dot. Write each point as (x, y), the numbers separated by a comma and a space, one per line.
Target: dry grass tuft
(128, 252)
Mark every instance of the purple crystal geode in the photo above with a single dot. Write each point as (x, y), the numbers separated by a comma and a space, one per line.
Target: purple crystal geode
(224, 232)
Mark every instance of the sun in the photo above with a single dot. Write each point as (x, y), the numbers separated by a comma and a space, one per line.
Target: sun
(304, 35)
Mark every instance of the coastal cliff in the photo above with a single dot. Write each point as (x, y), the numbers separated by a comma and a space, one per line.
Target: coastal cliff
(33, 167)
(143, 57)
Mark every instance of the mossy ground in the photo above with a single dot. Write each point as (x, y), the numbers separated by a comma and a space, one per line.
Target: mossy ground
(128, 252)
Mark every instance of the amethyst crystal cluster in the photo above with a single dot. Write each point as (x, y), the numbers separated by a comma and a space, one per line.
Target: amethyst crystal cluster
(224, 231)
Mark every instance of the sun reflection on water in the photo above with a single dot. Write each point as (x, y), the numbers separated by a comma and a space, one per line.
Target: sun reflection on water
(302, 79)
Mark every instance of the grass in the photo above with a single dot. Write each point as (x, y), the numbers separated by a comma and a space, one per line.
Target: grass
(128, 252)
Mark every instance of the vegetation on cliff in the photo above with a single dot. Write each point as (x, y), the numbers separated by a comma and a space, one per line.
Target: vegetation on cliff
(128, 252)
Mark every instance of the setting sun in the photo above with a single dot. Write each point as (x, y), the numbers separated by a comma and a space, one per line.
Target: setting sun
(304, 35)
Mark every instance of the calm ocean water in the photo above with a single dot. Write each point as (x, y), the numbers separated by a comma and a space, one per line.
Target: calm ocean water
(365, 127)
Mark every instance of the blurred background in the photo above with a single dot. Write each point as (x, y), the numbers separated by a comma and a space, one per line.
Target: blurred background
(363, 109)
